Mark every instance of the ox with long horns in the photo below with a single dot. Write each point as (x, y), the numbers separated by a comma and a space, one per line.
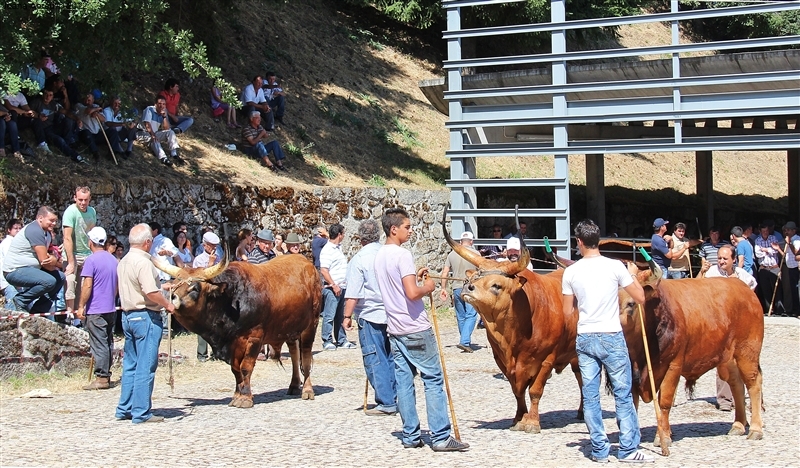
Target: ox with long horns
(238, 307)
(527, 329)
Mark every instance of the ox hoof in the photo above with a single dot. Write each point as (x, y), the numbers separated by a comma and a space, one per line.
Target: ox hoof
(294, 391)
(755, 435)
(526, 427)
(736, 431)
(308, 396)
(664, 446)
(241, 403)
(665, 451)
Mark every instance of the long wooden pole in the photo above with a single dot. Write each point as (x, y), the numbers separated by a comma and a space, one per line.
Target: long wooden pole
(109, 145)
(777, 281)
(649, 364)
(444, 370)
(366, 392)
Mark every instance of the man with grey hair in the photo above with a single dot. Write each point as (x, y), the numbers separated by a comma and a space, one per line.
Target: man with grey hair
(141, 300)
(363, 297)
(254, 143)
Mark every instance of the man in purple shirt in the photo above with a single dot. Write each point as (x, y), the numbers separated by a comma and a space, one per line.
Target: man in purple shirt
(97, 306)
(413, 342)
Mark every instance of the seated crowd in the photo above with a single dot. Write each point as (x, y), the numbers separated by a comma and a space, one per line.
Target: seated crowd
(58, 115)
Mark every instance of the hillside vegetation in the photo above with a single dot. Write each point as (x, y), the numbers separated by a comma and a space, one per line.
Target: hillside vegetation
(355, 115)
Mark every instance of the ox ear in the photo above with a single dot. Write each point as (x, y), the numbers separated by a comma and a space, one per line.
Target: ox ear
(521, 280)
(216, 290)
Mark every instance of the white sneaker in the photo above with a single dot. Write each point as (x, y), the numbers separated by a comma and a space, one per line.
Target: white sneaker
(348, 345)
(638, 457)
(43, 147)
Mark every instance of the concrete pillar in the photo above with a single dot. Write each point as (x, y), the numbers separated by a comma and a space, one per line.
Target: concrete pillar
(596, 190)
(705, 189)
(793, 165)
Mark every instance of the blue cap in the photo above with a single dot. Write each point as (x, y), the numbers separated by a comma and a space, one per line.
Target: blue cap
(659, 222)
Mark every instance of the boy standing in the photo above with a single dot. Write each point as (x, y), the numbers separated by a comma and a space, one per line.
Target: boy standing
(413, 342)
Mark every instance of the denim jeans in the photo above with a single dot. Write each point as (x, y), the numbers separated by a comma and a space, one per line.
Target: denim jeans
(595, 351)
(417, 352)
(261, 150)
(378, 363)
(466, 316)
(183, 122)
(55, 138)
(278, 106)
(40, 288)
(101, 341)
(123, 133)
(13, 134)
(332, 317)
(94, 139)
(677, 274)
(10, 293)
(142, 329)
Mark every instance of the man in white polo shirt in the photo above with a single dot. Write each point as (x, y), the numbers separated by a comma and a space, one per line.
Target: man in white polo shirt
(333, 267)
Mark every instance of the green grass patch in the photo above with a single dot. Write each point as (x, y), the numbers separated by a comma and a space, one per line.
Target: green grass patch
(297, 151)
(376, 181)
(409, 136)
(326, 171)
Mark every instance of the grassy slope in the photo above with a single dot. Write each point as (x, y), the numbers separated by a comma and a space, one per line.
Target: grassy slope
(355, 108)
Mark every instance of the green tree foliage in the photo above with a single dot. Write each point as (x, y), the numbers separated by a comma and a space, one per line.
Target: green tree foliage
(742, 26)
(101, 42)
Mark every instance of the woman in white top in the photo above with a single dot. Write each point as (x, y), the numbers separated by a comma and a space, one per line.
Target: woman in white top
(185, 256)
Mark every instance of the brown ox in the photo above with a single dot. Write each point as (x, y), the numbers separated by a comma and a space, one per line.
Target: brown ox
(239, 307)
(693, 326)
(529, 333)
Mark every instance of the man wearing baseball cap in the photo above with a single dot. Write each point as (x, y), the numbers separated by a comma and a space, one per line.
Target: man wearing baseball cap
(513, 248)
(207, 258)
(466, 316)
(97, 306)
(659, 250)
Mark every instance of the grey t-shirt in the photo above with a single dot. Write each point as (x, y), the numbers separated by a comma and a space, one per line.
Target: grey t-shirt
(20, 253)
(51, 110)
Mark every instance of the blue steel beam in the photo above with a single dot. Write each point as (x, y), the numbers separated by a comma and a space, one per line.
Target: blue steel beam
(557, 213)
(737, 44)
(601, 86)
(768, 7)
(483, 183)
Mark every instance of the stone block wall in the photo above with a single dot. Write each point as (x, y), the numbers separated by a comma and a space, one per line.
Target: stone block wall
(120, 205)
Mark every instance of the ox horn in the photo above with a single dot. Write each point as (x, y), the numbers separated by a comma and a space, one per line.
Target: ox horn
(472, 256)
(215, 270)
(521, 264)
(171, 270)
(655, 271)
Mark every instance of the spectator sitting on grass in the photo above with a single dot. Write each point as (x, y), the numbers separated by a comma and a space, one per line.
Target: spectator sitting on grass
(179, 123)
(218, 108)
(253, 143)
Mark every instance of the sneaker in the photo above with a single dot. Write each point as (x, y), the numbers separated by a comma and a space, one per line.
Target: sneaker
(178, 160)
(166, 162)
(81, 160)
(328, 346)
(464, 348)
(348, 345)
(377, 412)
(450, 445)
(281, 167)
(44, 148)
(417, 444)
(638, 457)
(599, 460)
(126, 155)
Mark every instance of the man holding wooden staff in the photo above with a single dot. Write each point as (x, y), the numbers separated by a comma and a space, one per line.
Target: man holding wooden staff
(594, 280)
(413, 342)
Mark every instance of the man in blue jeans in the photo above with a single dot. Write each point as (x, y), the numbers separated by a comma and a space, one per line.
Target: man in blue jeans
(413, 343)
(30, 267)
(363, 297)
(466, 316)
(594, 281)
(254, 143)
(141, 300)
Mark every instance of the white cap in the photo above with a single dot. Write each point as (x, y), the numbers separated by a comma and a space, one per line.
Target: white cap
(467, 235)
(512, 243)
(97, 235)
(211, 238)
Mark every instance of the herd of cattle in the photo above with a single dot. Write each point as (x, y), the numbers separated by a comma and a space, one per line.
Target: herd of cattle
(692, 325)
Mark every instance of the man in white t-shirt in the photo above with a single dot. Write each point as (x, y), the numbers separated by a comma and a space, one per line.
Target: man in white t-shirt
(333, 268)
(13, 226)
(593, 281)
(253, 99)
(413, 342)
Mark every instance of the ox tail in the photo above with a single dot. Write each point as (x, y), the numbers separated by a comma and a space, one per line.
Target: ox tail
(609, 387)
(690, 384)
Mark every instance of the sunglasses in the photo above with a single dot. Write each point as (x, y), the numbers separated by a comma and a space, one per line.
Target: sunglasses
(497, 230)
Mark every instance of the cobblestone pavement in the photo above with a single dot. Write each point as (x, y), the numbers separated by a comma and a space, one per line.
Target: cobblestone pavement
(77, 428)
